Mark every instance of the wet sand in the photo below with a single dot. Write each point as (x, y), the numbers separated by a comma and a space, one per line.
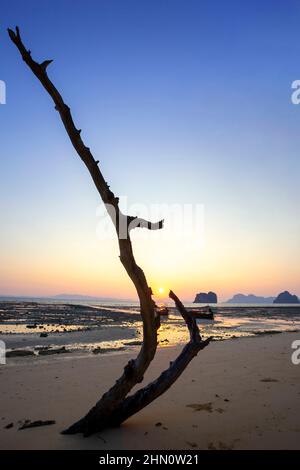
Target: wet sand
(237, 394)
(29, 327)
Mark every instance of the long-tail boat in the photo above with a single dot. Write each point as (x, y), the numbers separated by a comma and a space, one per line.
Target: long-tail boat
(205, 313)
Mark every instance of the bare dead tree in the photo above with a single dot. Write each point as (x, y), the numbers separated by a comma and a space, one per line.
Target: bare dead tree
(114, 407)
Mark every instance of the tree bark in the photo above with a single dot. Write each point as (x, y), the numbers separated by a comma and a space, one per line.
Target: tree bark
(113, 408)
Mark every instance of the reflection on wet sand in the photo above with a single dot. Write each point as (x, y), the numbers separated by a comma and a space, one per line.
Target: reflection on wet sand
(103, 328)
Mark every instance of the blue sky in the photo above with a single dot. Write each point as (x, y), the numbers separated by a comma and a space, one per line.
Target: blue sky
(182, 102)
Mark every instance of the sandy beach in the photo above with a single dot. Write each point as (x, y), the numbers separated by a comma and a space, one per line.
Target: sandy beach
(237, 394)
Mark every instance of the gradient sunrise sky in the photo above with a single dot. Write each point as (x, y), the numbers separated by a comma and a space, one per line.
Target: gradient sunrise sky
(182, 102)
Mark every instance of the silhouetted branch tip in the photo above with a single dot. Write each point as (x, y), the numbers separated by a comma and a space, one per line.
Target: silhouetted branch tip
(11, 34)
(14, 35)
(45, 64)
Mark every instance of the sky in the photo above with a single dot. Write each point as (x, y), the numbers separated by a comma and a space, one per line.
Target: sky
(182, 102)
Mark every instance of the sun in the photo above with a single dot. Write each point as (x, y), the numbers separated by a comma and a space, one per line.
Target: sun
(161, 290)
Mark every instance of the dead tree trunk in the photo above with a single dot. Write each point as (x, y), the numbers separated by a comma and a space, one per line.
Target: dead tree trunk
(113, 407)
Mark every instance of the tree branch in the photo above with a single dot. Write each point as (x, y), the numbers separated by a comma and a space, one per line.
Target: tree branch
(137, 222)
(135, 369)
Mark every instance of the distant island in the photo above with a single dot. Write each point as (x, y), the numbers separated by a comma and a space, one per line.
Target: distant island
(250, 299)
(283, 298)
(81, 297)
(286, 298)
(206, 298)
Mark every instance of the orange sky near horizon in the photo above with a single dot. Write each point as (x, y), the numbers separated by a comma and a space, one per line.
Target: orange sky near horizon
(83, 264)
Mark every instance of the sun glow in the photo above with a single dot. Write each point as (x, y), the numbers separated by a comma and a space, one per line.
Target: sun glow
(161, 290)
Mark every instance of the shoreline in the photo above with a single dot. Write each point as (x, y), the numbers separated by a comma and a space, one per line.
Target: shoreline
(129, 344)
(32, 329)
(247, 392)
